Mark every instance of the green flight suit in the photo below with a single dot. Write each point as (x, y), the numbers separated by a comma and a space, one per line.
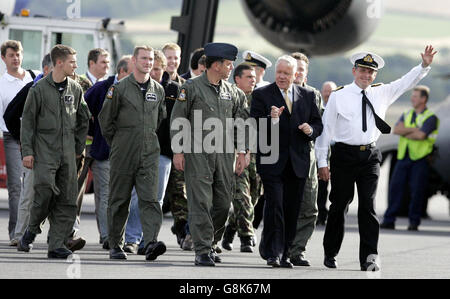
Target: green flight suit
(209, 176)
(54, 129)
(306, 221)
(129, 121)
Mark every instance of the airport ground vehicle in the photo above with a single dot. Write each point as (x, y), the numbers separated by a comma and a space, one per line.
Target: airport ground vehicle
(39, 34)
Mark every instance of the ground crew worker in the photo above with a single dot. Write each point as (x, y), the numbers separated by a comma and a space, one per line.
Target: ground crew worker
(209, 174)
(54, 129)
(131, 114)
(418, 129)
(306, 221)
(248, 184)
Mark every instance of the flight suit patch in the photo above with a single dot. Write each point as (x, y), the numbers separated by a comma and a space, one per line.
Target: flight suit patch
(151, 97)
(225, 96)
(110, 93)
(68, 99)
(182, 96)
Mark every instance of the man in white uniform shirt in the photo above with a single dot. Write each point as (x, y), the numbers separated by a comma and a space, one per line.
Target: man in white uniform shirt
(11, 83)
(353, 119)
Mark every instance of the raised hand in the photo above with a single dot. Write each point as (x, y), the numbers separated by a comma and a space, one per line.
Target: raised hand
(427, 57)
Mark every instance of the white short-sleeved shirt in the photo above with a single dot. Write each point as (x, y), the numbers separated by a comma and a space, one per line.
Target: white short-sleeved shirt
(9, 87)
(342, 119)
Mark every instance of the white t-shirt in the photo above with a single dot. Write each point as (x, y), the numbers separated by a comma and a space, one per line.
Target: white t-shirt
(9, 87)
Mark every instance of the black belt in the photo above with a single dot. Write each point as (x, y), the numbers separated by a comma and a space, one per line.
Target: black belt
(361, 148)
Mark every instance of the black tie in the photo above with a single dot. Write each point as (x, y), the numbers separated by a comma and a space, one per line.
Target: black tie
(381, 124)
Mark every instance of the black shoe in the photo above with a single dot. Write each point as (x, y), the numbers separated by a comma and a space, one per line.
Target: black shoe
(228, 236)
(141, 251)
(117, 254)
(330, 262)
(387, 225)
(154, 250)
(204, 260)
(59, 253)
(413, 227)
(187, 243)
(254, 241)
(217, 249)
(130, 248)
(246, 244)
(286, 263)
(75, 243)
(106, 245)
(300, 260)
(321, 222)
(214, 256)
(370, 266)
(179, 229)
(274, 262)
(26, 242)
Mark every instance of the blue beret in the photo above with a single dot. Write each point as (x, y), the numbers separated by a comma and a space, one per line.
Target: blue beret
(221, 50)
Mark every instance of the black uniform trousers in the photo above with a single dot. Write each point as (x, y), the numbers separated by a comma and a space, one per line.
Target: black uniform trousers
(283, 195)
(322, 196)
(350, 165)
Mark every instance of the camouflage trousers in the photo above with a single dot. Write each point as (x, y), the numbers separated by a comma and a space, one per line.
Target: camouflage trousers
(248, 190)
(176, 196)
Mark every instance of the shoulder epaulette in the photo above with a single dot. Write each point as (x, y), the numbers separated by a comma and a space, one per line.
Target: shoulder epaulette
(338, 88)
(377, 84)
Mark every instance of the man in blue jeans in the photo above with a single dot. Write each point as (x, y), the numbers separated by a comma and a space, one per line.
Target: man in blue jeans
(418, 129)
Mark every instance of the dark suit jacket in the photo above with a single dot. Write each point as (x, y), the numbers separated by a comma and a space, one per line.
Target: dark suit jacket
(294, 144)
(94, 97)
(186, 76)
(171, 90)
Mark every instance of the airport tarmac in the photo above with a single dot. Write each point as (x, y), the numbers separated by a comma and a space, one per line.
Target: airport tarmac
(402, 254)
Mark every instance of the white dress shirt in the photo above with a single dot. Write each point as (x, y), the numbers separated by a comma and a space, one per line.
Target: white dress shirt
(91, 77)
(9, 87)
(261, 84)
(342, 120)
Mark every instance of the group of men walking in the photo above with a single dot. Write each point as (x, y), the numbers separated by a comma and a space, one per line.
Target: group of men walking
(142, 118)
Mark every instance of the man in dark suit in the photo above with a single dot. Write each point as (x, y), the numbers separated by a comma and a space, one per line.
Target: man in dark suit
(284, 179)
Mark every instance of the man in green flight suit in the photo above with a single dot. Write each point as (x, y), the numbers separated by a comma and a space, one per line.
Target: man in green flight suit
(131, 114)
(209, 99)
(54, 128)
